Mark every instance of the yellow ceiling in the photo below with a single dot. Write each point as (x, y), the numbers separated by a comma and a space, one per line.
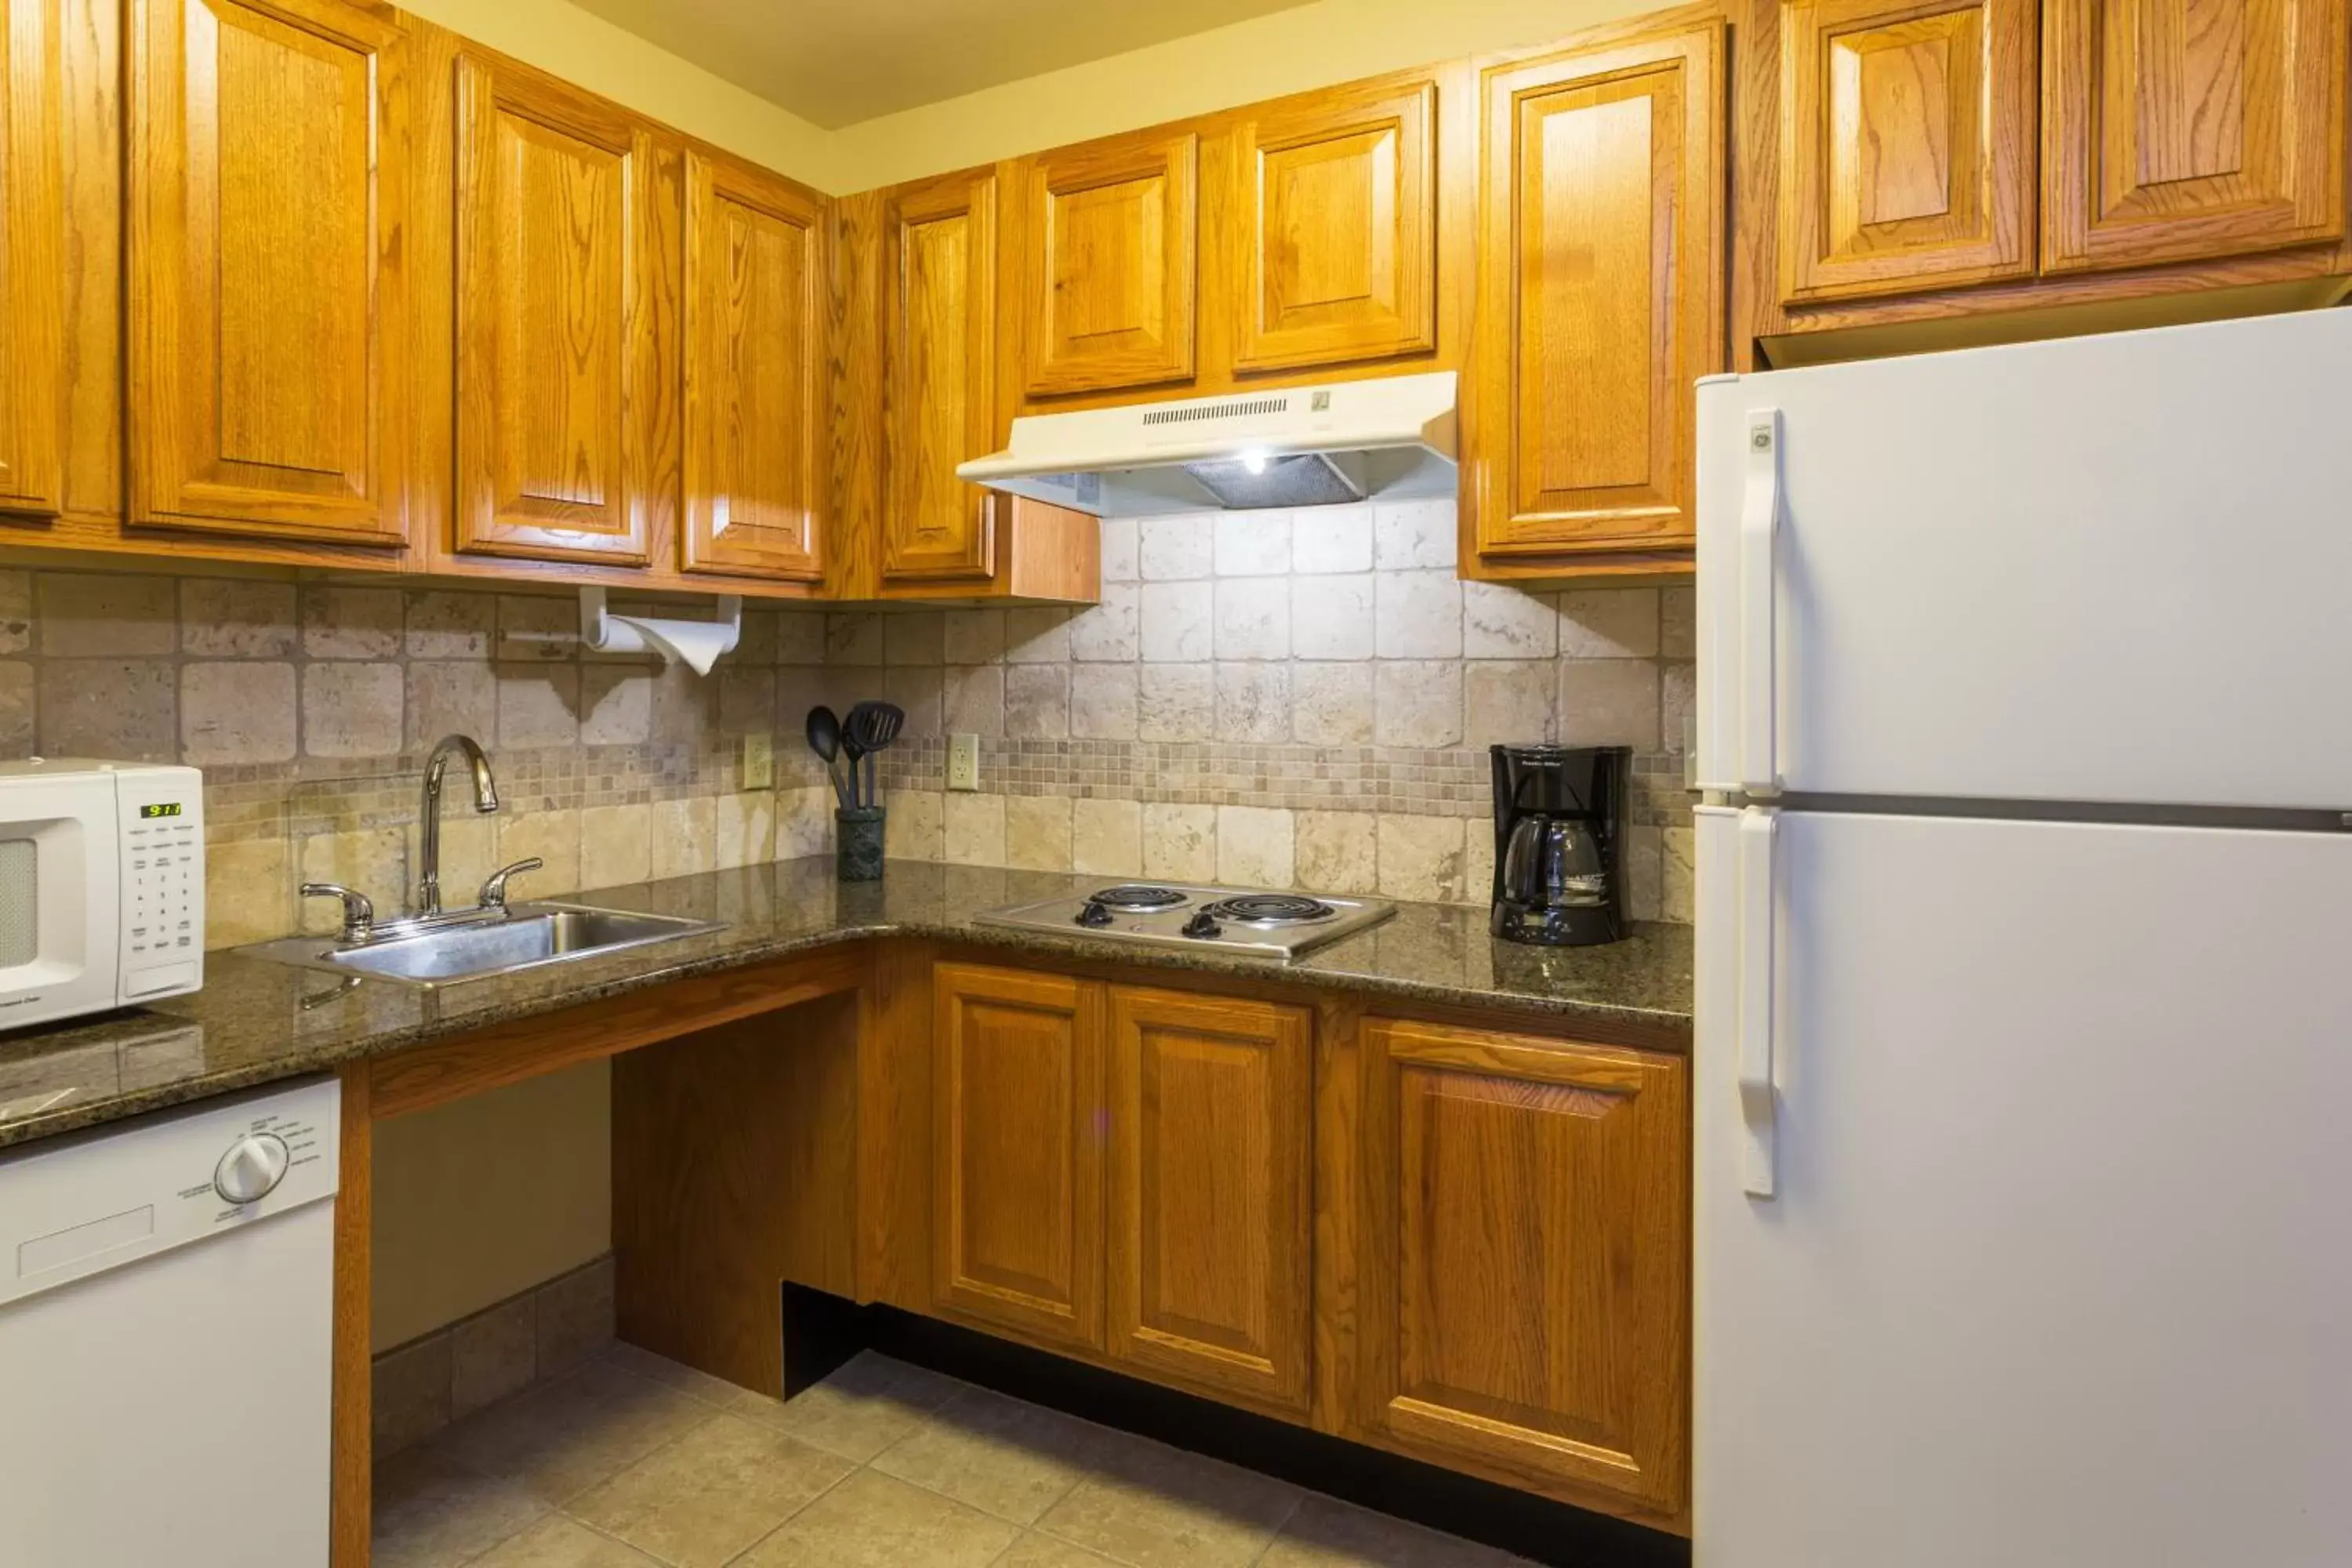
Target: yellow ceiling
(836, 62)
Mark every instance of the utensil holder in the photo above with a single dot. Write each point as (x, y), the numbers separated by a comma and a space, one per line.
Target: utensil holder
(857, 843)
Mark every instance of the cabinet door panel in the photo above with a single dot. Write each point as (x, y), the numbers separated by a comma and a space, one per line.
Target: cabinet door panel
(1108, 244)
(2184, 130)
(1209, 1236)
(1907, 145)
(1018, 1213)
(32, 267)
(1602, 295)
(939, 315)
(1338, 225)
(1527, 1239)
(756, 405)
(264, 298)
(553, 258)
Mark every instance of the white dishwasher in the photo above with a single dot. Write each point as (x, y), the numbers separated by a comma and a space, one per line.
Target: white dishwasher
(166, 1316)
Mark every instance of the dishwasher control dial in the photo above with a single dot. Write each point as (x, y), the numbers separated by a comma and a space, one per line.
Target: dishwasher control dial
(251, 1169)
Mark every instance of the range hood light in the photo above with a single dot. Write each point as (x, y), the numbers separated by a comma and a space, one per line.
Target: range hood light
(1254, 459)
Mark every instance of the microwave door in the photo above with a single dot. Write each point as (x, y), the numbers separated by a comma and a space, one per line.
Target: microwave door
(61, 882)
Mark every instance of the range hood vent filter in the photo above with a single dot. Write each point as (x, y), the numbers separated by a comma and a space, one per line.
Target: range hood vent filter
(1306, 478)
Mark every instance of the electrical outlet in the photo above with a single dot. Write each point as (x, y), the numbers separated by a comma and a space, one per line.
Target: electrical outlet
(759, 762)
(963, 762)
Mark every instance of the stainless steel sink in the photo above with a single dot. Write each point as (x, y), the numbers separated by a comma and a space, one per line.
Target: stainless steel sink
(526, 937)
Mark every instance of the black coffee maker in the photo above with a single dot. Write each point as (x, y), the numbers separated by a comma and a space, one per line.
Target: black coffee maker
(1559, 844)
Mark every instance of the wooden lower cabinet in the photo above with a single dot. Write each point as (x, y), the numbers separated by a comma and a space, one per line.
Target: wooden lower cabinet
(1210, 1178)
(1524, 1267)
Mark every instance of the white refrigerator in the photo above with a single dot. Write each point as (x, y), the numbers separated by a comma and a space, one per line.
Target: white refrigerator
(2024, 1092)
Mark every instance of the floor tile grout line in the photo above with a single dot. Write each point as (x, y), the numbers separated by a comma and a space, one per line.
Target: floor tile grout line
(826, 1490)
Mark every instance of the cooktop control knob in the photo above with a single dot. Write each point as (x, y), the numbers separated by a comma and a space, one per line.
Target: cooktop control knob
(1200, 925)
(251, 1169)
(1094, 914)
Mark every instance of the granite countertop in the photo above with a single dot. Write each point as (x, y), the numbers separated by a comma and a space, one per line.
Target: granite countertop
(256, 1022)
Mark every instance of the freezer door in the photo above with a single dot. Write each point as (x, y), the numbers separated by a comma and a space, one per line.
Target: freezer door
(2054, 1271)
(2108, 568)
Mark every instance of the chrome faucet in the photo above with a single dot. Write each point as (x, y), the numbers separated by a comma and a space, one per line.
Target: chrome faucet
(485, 800)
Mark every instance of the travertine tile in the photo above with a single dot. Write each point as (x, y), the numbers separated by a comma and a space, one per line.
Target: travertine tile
(1678, 853)
(1107, 837)
(16, 709)
(558, 1542)
(538, 705)
(974, 830)
(1478, 861)
(745, 829)
(872, 1521)
(1120, 541)
(352, 709)
(565, 1436)
(1103, 701)
(1040, 1551)
(1677, 706)
(755, 643)
(1177, 548)
(1037, 700)
(1609, 623)
(1503, 622)
(1252, 619)
(974, 699)
(230, 617)
(715, 1391)
(1331, 538)
(431, 1513)
(915, 637)
(1156, 1507)
(449, 624)
(747, 699)
(1111, 631)
(1174, 621)
(469, 852)
(492, 1354)
(682, 705)
(616, 845)
(1037, 832)
(1414, 533)
(1254, 847)
(918, 692)
(1179, 841)
(1331, 704)
(1328, 1533)
(1040, 635)
(340, 621)
(451, 697)
(1643, 862)
(1422, 857)
(538, 628)
(234, 712)
(107, 616)
(1175, 702)
(805, 820)
(247, 894)
(1336, 851)
(1332, 618)
(860, 1410)
(1508, 700)
(710, 1494)
(683, 832)
(119, 709)
(1253, 702)
(915, 826)
(552, 836)
(1419, 616)
(410, 1387)
(1252, 544)
(616, 705)
(373, 861)
(1001, 1456)
(1609, 703)
(15, 611)
(1418, 703)
(973, 637)
(855, 637)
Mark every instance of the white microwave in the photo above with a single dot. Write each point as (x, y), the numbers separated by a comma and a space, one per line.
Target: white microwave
(101, 885)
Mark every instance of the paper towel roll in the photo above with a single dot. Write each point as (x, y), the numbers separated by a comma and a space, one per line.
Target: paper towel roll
(697, 643)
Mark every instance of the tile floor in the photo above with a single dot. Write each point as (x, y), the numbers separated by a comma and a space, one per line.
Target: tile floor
(636, 1462)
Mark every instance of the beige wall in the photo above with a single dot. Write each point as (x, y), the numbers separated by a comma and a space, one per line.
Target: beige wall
(484, 1198)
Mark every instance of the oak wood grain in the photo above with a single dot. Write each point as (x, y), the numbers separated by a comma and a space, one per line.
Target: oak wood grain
(1104, 244)
(350, 1467)
(894, 1104)
(32, 262)
(939, 298)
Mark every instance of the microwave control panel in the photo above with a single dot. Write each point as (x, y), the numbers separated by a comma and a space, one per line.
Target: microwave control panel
(163, 822)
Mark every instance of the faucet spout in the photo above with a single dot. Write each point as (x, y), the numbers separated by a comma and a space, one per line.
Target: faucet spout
(485, 800)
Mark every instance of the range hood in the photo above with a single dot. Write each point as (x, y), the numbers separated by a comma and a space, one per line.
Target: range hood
(1299, 445)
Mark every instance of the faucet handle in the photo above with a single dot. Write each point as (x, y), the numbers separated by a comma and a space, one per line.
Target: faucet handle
(359, 910)
(494, 890)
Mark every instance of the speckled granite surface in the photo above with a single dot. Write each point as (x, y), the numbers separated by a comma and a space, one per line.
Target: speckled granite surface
(256, 1022)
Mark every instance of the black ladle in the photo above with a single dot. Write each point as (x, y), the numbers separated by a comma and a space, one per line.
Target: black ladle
(825, 740)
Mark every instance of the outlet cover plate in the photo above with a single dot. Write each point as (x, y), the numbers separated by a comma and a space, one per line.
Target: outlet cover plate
(963, 762)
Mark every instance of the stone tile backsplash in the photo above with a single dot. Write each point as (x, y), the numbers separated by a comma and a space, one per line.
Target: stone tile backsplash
(1268, 699)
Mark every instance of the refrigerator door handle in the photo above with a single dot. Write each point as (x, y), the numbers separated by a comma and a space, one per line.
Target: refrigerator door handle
(1759, 521)
(1758, 831)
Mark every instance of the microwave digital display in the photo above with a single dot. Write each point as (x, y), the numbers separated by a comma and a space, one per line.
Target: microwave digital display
(170, 808)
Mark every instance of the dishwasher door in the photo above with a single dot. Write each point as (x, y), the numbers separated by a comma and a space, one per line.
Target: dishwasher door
(165, 1350)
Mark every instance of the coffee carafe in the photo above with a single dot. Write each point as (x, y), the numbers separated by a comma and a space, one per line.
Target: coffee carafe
(1560, 842)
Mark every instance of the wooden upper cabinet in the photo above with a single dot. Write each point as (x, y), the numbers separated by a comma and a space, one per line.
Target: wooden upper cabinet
(939, 348)
(1210, 1185)
(1601, 291)
(1336, 224)
(757, 406)
(267, 175)
(2185, 129)
(1017, 1154)
(557, 285)
(1907, 145)
(1108, 244)
(1525, 1245)
(32, 263)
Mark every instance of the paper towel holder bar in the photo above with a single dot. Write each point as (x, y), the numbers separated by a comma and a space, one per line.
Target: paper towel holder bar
(698, 643)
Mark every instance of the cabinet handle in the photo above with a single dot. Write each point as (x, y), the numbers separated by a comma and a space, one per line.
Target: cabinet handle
(1759, 521)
